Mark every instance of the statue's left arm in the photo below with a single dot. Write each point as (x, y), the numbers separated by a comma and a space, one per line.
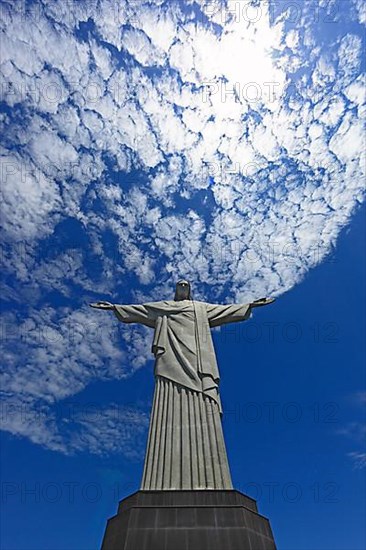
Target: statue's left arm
(218, 314)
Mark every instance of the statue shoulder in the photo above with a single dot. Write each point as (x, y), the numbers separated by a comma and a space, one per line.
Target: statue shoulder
(171, 304)
(160, 305)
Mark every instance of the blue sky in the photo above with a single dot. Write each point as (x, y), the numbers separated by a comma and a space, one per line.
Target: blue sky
(143, 142)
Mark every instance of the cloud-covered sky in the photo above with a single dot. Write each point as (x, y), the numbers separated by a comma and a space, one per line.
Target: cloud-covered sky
(146, 141)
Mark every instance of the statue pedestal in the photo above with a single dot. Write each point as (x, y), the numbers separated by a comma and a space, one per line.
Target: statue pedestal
(188, 520)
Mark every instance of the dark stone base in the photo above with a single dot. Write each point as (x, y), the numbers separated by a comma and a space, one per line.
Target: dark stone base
(188, 520)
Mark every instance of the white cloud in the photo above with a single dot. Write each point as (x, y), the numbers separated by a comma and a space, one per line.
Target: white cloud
(355, 92)
(359, 460)
(73, 427)
(140, 47)
(361, 9)
(28, 197)
(349, 54)
(158, 25)
(348, 142)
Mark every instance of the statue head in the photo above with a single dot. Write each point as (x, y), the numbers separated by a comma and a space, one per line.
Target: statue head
(182, 290)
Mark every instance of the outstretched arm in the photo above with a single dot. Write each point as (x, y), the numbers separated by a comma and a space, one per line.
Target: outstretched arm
(129, 313)
(102, 305)
(219, 314)
(262, 302)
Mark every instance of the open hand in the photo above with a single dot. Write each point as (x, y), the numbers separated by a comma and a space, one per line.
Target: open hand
(102, 305)
(262, 302)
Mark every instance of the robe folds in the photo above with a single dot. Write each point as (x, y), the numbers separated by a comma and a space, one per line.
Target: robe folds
(186, 447)
(182, 343)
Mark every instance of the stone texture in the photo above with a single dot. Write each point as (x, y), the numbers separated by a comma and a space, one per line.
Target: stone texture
(186, 447)
(188, 520)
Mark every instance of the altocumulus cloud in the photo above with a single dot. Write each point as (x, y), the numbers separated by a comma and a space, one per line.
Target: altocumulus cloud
(147, 140)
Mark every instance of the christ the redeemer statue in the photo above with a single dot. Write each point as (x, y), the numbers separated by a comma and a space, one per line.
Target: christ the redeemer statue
(186, 448)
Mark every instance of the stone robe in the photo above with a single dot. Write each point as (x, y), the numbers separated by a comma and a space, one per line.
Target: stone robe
(182, 343)
(186, 448)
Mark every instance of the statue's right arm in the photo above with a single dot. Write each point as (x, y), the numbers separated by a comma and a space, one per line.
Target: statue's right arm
(102, 305)
(130, 313)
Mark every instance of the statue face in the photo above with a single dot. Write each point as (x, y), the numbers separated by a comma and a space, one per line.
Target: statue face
(182, 290)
